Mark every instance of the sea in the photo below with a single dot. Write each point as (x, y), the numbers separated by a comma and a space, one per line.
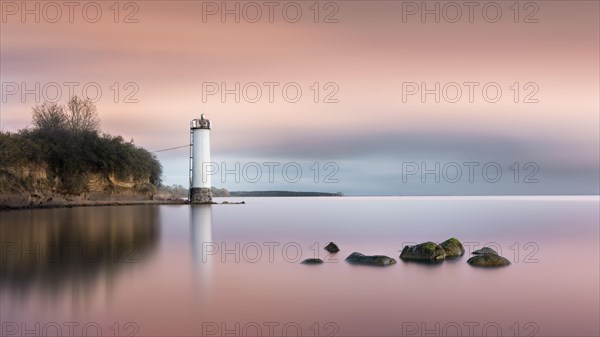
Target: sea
(235, 269)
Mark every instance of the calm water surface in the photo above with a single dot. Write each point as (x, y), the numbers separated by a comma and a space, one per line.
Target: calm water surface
(233, 269)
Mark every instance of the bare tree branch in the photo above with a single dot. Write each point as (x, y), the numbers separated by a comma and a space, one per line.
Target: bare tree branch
(82, 115)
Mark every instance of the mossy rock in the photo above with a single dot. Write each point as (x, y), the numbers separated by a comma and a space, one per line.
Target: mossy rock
(370, 260)
(488, 260)
(453, 247)
(427, 251)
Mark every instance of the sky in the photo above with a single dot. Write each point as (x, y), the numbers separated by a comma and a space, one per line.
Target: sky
(358, 97)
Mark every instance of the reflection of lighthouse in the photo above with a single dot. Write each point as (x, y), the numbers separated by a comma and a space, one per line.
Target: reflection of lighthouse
(200, 182)
(201, 236)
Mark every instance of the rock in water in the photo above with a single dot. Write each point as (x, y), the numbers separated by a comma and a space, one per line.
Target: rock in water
(372, 260)
(332, 248)
(453, 248)
(488, 260)
(485, 250)
(427, 251)
(312, 261)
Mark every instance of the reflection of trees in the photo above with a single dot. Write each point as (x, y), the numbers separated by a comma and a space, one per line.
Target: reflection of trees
(57, 248)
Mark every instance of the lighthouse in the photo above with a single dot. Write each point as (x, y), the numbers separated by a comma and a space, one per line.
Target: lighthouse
(200, 182)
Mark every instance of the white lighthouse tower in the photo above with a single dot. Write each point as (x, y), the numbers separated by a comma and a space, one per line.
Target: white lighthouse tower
(200, 179)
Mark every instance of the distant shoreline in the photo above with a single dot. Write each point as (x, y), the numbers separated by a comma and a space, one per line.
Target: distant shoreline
(282, 194)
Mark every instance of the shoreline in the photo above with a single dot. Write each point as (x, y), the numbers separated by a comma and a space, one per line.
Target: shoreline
(6, 208)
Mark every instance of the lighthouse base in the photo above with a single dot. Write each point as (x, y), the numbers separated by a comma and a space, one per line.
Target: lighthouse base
(200, 195)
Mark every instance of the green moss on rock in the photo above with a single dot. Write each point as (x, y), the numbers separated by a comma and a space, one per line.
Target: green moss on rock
(428, 251)
(488, 260)
(453, 247)
(370, 260)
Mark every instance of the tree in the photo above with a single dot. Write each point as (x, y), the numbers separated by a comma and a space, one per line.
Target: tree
(68, 140)
(79, 115)
(82, 115)
(49, 116)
